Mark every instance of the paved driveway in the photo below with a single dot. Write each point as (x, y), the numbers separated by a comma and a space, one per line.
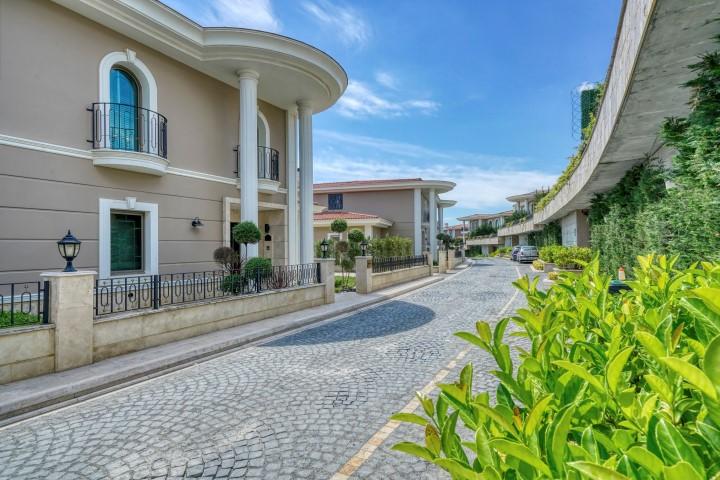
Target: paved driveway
(299, 406)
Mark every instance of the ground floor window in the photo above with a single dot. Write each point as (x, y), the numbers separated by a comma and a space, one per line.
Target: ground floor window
(126, 242)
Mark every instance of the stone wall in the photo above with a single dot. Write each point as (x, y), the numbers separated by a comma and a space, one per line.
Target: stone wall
(26, 352)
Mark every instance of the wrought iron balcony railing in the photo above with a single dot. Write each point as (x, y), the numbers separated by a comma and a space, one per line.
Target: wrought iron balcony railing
(117, 126)
(268, 163)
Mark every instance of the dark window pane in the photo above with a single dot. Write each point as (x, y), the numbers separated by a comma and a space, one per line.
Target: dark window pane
(124, 96)
(335, 201)
(126, 242)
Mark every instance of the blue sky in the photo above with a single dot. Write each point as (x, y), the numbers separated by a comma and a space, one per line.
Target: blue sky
(476, 92)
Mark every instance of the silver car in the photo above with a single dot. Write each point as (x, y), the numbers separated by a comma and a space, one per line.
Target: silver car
(527, 254)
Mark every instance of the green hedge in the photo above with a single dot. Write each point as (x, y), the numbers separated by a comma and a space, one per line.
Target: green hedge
(609, 386)
(393, 246)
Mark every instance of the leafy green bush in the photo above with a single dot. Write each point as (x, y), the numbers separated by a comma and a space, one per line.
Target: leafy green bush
(338, 225)
(482, 230)
(258, 266)
(393, 246)
(538, 264)
(502, 251)
(572, 257)
(235, 283)
(608, 387)
(356, 235)
(19, 318)
(549, 253)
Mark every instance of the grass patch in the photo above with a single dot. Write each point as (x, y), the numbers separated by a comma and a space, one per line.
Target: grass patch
(349, 283)
(19, 319)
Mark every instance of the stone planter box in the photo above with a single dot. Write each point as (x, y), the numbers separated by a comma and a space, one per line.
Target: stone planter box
(548, 267)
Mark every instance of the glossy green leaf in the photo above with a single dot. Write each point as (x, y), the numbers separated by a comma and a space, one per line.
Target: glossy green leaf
(409, 418)
(660, 387)
(533, 418)
(581, 372)
(615, 368)
(482, 447)
(559, 430)
(432, 440)
(681, 471)
(470, 338)
(651, 344)
(711, 434)
(426, 403)
(693, 375)
(710, 296)
(522, 453)
(643, 457)
(597, 472)
(414, 449)
(711, 363)
(457, 470)
(672, 446)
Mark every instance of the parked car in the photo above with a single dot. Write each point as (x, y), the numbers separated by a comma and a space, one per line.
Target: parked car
(527, 254)
(513, 253)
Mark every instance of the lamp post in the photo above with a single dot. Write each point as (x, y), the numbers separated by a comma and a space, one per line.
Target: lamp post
(364, 248)
(69, 247)
(324, 248)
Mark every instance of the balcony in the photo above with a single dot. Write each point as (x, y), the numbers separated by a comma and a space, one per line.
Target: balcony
(128, 137)
(268, 169)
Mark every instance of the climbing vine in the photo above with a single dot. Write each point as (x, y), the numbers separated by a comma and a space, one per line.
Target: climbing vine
(669, 210)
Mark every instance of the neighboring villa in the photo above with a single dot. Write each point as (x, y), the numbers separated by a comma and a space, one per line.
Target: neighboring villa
(491, 221)
(455, 231)
(150, 136)
(406, 207)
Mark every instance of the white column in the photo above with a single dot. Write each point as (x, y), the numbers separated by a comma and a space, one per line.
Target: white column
(306, 182)
(293, 241)
(441, 218)
(417, 221)
(247, 149)
(433, 222)
(368, 231)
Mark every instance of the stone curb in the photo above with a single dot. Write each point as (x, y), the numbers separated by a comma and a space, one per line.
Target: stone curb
(20, 405)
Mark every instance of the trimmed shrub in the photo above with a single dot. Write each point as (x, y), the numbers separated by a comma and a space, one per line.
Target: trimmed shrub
(393, 246)
(607, 386)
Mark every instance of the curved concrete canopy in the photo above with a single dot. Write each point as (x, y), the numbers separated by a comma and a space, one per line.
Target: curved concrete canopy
(440, 186)
(289, 70)
(656, 41)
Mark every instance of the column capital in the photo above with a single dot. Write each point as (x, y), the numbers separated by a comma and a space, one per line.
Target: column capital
(304, 105)
(246, 73)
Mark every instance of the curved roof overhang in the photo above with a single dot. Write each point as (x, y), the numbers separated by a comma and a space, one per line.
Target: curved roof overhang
(290, 70)
(447, 203)
(440, 186)
(655, 43)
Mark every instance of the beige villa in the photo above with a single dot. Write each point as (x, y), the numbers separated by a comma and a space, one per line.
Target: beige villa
(406, 207)
(149, 136)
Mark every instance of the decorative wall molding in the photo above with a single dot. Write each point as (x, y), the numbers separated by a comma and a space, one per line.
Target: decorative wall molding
(30, 144)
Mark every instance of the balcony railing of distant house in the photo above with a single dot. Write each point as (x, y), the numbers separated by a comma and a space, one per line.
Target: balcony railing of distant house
(117, 126)
(125, 294)
(268, 163)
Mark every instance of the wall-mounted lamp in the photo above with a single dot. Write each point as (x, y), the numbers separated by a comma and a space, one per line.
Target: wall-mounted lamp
(197, 223)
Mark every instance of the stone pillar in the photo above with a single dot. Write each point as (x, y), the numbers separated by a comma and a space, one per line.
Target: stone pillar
(71, 310)
(429, 258)
(327, 276)
(433, 223)
(363, 274)
(441, 219)
(306, 183)
(293, 238)
(367, 231)
(417, 221)
(248, 151)
(442, 261)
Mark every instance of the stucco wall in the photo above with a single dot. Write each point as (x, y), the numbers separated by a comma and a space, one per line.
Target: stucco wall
(131, 332)
(49, 60)
(393, 205)
(26, 352)
(387, 279)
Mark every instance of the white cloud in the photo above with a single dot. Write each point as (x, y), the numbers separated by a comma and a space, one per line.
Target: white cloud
(481, 186)
(255, 14)
(360, 101)
(586, 86)
(345, 21)
(387, 80)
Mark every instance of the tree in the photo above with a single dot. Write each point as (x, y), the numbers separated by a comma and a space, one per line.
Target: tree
(246, 233)
(339, 225)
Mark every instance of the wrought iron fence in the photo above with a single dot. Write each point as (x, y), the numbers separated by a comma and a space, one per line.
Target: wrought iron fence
(24, 303)
(118, 126)
(126, 294)
(268, 162)
(458, 253)
(387, 264)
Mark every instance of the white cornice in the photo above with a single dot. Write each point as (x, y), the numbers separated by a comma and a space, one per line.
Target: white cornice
(290, 69)
(354, 222)
(29, 144)
(440, 186)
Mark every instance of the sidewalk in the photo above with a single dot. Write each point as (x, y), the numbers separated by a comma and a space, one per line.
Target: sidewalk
(26, 398)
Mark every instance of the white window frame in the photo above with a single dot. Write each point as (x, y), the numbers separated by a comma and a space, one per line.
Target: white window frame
(128, 60)
(150, 234)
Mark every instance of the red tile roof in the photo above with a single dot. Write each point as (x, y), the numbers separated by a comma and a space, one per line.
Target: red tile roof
(365, 182)
(335, 214)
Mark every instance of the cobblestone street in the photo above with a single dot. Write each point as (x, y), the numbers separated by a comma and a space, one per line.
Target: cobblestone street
(297, 406)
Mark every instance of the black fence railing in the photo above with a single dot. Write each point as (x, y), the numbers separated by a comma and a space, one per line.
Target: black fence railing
(24, 303)
(387, 264)
(268, 163)
(126, 294)
(118, 126)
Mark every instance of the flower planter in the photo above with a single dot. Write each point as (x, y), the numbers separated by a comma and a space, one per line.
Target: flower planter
(548, 267)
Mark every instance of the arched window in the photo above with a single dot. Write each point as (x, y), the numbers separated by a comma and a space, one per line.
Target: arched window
(124, 112)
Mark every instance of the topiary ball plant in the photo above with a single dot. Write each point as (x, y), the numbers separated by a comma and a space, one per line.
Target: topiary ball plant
(338, 226)
(356, 236)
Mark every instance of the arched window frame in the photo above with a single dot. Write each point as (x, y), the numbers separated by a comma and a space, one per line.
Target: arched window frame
(266, 126)
(129, 61)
